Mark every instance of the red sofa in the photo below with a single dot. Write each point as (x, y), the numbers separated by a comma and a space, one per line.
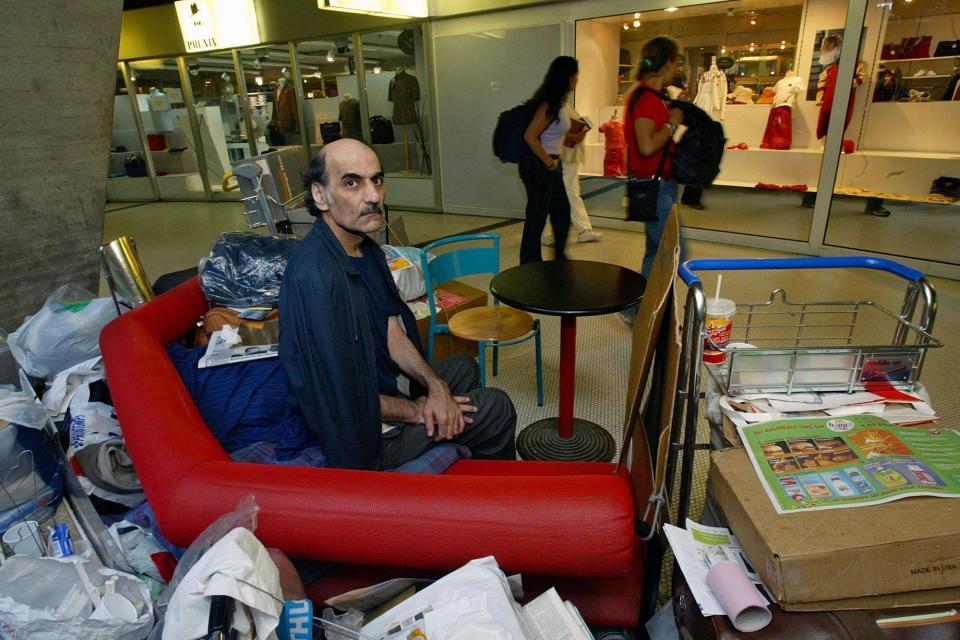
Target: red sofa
(564, 524)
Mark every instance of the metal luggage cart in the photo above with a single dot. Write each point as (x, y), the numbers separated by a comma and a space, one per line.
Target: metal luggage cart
(796, 346)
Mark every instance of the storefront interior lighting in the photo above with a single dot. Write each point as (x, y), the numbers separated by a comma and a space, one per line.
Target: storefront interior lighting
(383, 8)
(331, 54)
(377, 68)
(753, 21)
(636, 24)
(636, 15)
(626, 27)
(670, 9)
(258, 80)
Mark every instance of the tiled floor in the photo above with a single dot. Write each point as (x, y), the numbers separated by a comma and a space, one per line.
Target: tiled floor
(173, 236)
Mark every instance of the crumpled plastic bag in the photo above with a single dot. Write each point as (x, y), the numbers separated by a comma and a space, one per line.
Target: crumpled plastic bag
(65, 332)
(244, 269)
(245, 515)
(404, 263)
(43, 599)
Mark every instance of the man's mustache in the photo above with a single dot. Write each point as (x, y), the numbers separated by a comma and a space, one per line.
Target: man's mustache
(371, 208)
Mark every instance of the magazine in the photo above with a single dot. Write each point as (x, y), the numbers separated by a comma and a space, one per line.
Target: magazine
(852, 461)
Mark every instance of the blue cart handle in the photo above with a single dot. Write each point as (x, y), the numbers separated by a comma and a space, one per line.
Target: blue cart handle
(688, 268)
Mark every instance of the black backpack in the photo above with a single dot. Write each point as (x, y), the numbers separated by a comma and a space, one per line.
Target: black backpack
(696, 158)
(381, 130)
(508, 142)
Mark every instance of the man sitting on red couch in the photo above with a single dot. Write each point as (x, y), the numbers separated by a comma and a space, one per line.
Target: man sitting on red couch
(350, 346)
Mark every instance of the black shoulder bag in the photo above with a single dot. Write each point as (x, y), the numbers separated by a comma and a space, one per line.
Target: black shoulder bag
(643, 193)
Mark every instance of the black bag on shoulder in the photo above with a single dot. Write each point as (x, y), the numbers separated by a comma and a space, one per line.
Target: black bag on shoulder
(643, 193)
(508, 142)
(696, 158)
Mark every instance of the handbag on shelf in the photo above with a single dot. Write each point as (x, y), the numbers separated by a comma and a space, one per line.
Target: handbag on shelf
(643, 194)
(890, 51)
(946, 186)
(918, 47)
(947, 48)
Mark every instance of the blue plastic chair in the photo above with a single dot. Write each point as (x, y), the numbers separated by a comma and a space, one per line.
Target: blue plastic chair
(472, 260)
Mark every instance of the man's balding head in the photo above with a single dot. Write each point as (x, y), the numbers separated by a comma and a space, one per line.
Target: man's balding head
(316, 172)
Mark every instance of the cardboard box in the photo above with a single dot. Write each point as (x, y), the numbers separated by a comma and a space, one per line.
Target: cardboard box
(902, 547)
(445, 344)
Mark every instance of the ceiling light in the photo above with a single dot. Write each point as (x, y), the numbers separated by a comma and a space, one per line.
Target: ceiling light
(133, 76)
(283, 71)
(670, 9)
(377, 68)
(331, 55)
(723, 49)
(625, 26)
(259, 80)
(783, 46)
(753, 21)
(752, 48)
(636, 23)
(636, 15)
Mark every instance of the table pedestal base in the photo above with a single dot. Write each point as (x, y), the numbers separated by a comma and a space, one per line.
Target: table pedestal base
(589, 443)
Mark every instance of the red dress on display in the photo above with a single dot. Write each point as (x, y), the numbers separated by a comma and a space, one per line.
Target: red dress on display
(615, 147)
(829, 90)
(779, 131)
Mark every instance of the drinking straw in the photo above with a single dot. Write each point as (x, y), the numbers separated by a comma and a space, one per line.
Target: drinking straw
(719, 281)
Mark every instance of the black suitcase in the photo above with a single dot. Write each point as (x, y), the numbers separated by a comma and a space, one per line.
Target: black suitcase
(381, 130)
(329, 131)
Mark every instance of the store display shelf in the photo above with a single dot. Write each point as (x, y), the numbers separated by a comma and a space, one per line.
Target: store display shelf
(926, 155)
(919, 59)
(902, 197)
(927, 77)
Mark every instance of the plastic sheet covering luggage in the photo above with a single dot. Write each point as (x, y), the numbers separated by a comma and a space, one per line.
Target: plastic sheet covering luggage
(44, 599)
(65, 332)
(245, 269)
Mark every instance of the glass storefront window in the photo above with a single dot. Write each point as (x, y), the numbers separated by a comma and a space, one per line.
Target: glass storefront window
(219, 116)
(271, 97)
(127, 176)
(899, 189)
(164, 115)
(751, 70)
(327, 72)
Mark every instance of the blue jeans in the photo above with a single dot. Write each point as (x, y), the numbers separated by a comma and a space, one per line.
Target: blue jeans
(654, 232)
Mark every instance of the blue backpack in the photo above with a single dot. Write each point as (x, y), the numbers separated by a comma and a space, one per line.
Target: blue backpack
(508, 142)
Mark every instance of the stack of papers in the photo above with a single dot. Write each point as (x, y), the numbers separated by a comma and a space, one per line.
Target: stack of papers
(893, 405)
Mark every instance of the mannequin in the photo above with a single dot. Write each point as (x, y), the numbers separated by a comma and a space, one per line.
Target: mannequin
(779, 131)
(284, 109)
(614, 147)
(712, 91)
(229, 109)
(404, 93)
(160, 109)
(350, 117)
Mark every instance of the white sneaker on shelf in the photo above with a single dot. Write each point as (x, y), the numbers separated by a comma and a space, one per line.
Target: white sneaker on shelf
(589, 235)
(547, 240)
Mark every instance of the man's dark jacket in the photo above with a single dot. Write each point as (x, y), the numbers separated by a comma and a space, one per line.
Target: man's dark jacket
(327, 348)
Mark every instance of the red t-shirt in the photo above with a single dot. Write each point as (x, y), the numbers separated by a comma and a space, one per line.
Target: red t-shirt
(649, 105)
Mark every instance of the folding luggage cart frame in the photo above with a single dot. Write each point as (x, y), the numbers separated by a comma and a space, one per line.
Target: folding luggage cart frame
(796, 346)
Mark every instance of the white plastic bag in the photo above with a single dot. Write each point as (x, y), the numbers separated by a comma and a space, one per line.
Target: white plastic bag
(43, 599)
(404, 263)
(65, 332)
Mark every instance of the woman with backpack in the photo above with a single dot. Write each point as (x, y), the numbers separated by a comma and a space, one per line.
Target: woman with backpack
(649, 125)
(541, 172)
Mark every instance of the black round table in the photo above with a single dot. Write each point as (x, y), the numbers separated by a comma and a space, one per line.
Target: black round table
(569, 289)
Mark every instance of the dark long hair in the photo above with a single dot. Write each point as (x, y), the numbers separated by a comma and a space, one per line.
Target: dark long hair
(556, 85)
(656, 53)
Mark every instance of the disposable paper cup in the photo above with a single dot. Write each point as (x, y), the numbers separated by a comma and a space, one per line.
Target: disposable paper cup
(114, 605)
(719, 326)
(739, 598)
(24, 539)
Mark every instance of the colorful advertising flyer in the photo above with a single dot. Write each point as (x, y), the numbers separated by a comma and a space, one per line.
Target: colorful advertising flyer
(854, 461)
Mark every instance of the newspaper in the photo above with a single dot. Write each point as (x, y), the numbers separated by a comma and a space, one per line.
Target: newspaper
(550, 618)
(854, 461)
(223, 349)
(691, 547)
